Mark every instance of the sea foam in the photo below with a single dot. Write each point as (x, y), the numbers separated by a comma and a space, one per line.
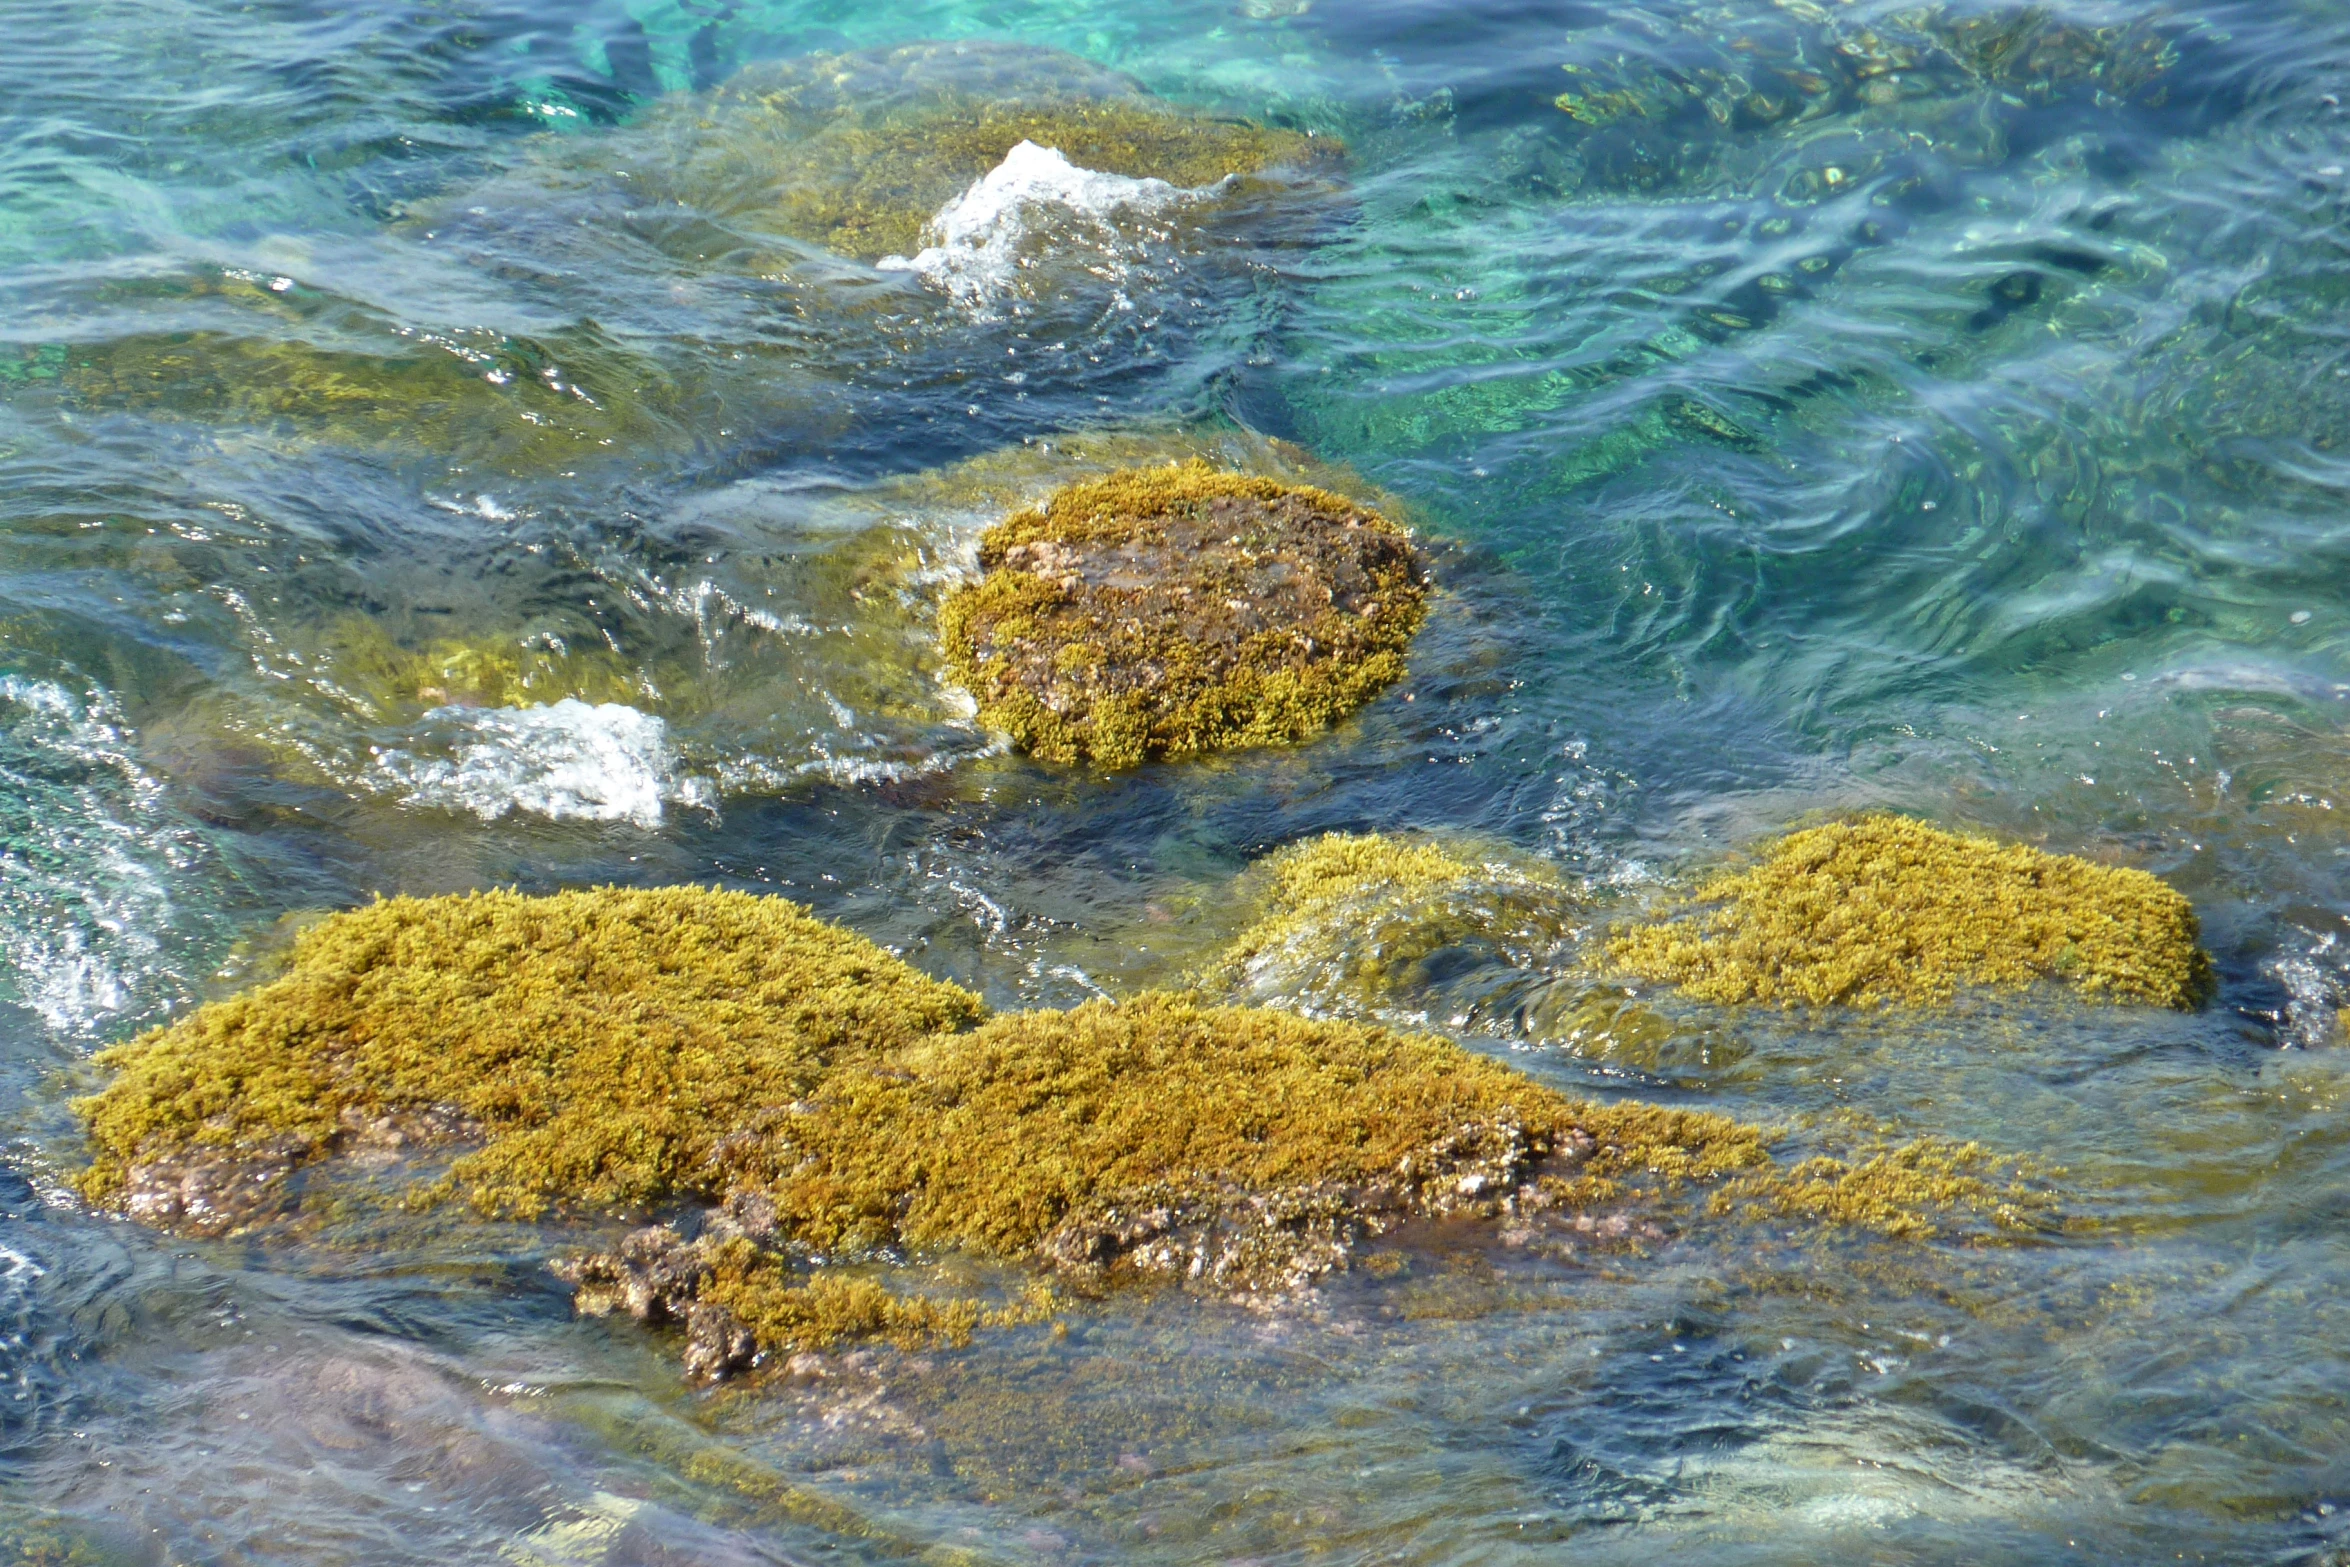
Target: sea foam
(978, 243)
(568, 760)
(89, 850)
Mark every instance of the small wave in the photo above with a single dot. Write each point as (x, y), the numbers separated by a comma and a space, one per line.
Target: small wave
(980, 241)
(2311, 968)
(568, 761)
(88, 849)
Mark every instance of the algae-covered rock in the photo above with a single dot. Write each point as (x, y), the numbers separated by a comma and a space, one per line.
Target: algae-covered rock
(1033, 1122)
(813, 1105)
(356, 663)
(857, 152)
(1241, 1150)
(1367, 918)
(1809, 61)
(594, 1047)
(1889, 910)
(295, 362)
(1165, 612)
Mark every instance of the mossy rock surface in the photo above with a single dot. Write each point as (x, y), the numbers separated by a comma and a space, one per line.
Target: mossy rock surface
(856, 152)
(816, 1104)
(305, 364)
(1165, 612)
(993, 1140)
(1365, 917)
(594, 1048)
(1239, 1149)
(1890, 910)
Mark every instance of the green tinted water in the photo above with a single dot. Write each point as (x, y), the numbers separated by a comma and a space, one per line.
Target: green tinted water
(1808, 407)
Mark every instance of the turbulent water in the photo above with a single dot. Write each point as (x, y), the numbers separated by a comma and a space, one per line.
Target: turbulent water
(412, 479)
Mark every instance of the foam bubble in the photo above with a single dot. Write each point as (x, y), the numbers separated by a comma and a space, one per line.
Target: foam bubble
(2314, 970)
(88, 852)
(568, 760)
(979, 241)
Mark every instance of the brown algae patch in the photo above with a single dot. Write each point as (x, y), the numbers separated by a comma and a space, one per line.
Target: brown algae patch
(1885, 909)
(735, 1297)
(1357, 917)
(1915, 1190)
(1166, 612)
(1241, 1150)
(597, 1046)
(1020, 1134)
(817, 1103)
(857, 152)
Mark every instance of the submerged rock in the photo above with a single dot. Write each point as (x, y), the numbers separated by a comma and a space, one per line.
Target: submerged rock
(1367, 919)
(858, 152)
(294, 362)
(1407, 929)
(357, 663)
(535, 721)
(1889, 910)
(1165, 612)
(754, 638)
(1913, 1190)
(1816, 63)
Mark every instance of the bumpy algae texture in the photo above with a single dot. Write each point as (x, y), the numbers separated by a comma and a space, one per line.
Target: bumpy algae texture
(814, 1102)
(1890, 910)
(1913, 1190)
(597, 1047)
(998, 1140)
(1165, 612)
(856, 152)
(1236, 1149)
(1360, 917)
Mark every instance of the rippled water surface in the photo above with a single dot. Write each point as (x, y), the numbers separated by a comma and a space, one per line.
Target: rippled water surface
(417, 473)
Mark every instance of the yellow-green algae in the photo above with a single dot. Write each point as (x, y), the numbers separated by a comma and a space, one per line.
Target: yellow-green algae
(356, 662)
(1233, 1148)
(1164, 612)
(599, 1045)
(991, 1140)
(1912, 1190)
(1886, 909)
(1355, 917)
(856, 152)
(855, 576)
(821, 1100)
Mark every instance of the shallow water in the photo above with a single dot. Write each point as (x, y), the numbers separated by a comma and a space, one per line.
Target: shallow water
(390, 500)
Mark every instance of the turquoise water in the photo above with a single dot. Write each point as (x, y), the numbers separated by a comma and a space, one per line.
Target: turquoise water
(1831, 405)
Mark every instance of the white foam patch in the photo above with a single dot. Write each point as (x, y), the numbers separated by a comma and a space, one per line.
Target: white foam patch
(978, 243)
(88, 851)
(569, 761)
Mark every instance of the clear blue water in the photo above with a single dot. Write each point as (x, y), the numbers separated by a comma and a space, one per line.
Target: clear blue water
(1968, 440)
